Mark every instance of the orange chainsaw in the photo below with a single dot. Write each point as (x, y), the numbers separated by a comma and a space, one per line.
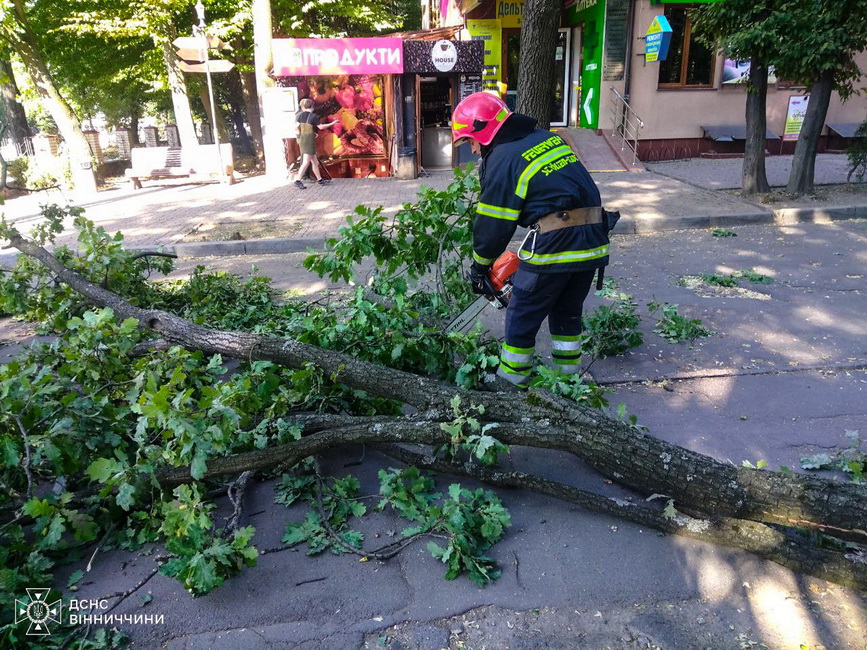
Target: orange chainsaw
(499, 285)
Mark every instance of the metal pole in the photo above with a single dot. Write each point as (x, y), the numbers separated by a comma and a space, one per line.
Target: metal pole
(200, 10)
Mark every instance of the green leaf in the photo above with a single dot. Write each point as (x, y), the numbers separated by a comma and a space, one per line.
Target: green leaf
(819, 461)
(104, 469)
(74, 578)
(125, 496)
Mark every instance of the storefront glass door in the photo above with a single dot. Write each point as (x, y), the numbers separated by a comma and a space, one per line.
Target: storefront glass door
(560, 95)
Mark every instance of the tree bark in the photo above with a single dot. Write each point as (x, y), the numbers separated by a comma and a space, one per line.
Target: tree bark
(13, 111)
(216, 120)
(804, 162)
(247, 77)
(629, 456)
(180, 96)
(272, 150)
(754, 179)
(536, 73)
(236, 101)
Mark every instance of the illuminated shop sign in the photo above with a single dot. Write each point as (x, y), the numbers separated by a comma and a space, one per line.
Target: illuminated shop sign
(336, 56)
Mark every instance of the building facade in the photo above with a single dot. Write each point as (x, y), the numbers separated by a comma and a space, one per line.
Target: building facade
(689, 104)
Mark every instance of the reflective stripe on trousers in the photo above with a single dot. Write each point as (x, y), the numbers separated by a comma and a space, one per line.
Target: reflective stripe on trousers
(559, 297)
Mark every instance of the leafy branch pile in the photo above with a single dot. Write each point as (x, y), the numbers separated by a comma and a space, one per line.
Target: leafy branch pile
(122, 430)
(88, 421)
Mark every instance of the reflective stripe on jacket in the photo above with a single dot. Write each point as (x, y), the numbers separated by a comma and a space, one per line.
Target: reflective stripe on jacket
(525, 179)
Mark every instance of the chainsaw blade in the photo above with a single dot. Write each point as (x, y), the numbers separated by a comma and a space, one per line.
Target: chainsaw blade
(466, 320)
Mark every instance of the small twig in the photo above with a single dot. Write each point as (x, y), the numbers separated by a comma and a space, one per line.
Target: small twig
(99, 545)
(11, 523)
(236, 496)
(123, 595)
(307, 582)
(27, 459)
(377, 554)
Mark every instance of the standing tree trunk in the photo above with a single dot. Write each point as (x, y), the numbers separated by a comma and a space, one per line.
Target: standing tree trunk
(251, 106)
(272, 146)
(23, 41)
(13, 112)
(133, 130)
(804, 162)
(236, 101)
(216, 120)
(754, 179)
(180, 97)
(536, 73)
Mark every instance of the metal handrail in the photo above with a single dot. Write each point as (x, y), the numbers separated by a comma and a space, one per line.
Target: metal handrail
(625, 123)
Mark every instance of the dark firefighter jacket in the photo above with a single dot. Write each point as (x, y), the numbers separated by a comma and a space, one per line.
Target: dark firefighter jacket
(527, 173)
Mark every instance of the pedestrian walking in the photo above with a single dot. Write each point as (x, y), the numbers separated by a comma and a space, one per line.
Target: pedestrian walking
(307, 123)
(531, 178)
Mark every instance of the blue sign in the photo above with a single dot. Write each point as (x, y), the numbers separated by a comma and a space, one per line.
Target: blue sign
(657, 39)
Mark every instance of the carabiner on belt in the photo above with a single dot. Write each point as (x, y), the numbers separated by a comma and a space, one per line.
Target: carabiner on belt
(534, 231)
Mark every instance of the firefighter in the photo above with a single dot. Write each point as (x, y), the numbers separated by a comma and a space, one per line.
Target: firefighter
(531, 178)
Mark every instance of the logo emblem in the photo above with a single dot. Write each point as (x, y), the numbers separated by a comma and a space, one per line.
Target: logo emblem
(444, 55)
(38, 611)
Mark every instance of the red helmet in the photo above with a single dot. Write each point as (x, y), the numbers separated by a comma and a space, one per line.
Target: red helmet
(479, 117)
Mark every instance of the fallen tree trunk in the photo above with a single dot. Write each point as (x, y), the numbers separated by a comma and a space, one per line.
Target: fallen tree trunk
(697, 483)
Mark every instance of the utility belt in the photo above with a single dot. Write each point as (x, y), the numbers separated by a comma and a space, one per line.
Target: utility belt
(557, 221)
(569, 218)
(565, 219)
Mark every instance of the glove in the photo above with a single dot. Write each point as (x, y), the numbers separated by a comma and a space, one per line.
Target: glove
(478, 277)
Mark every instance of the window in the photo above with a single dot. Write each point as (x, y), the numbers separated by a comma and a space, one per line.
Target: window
(690, 64)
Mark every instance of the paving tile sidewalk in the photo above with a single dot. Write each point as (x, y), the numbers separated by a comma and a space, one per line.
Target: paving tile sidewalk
(668, 196)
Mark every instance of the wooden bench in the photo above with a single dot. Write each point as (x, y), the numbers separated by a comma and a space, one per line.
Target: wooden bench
(175, 162)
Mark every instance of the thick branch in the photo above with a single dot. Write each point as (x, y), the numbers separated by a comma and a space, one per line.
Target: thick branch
(765, 541)
(629, 456)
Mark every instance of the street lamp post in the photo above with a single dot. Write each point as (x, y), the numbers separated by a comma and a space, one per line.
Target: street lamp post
(200, 31)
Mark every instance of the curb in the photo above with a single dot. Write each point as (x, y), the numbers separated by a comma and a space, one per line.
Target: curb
(626, 226)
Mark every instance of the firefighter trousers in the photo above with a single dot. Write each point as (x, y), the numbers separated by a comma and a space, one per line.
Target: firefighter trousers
(535, 296)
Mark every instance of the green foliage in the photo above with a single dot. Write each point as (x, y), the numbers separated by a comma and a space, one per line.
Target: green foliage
(473, 521)
(32, 292)
(411, 241)
(752, 276)
(203, 557)
(572, 387)
(336, 500)
(675, 328)
(821, 36)
(719, 280)
(852, 460)
(723, 232)
(612, 329)
(469, 435)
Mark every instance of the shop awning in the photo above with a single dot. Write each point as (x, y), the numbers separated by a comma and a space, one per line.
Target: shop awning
(438, 34)
(844, 130)
(731, 133)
